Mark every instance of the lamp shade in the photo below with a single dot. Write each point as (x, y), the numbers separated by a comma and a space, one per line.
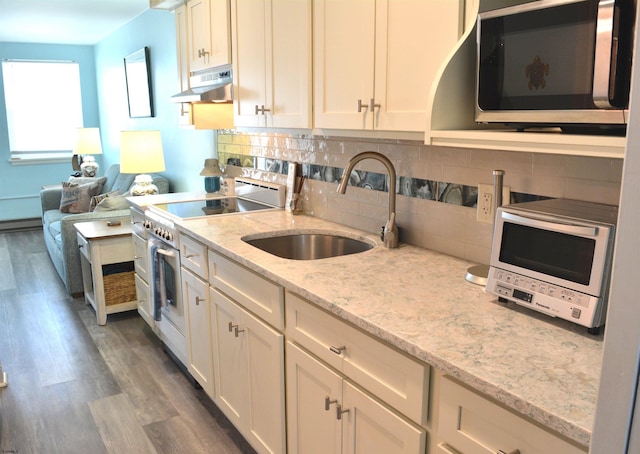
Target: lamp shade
(87, 141)
(141, 152)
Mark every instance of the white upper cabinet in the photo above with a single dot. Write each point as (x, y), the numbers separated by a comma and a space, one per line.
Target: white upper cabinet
(209, 42)
(272, 63)
(375, 61)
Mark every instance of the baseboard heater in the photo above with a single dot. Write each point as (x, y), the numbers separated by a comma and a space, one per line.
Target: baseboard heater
(20, 224)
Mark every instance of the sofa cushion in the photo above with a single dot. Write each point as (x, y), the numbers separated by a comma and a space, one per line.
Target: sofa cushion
(76, 198)
(96, 199)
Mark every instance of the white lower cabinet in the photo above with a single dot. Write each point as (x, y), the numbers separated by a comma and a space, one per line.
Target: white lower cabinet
(326, 413)
(470, 424)
(249, 369)
(195, 295)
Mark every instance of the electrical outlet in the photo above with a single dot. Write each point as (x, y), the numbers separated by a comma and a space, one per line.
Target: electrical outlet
(485, 212)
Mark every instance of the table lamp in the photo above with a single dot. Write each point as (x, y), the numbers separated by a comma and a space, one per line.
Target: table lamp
(86, 145)
(141, 153)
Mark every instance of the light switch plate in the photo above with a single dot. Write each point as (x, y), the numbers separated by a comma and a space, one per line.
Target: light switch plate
(485, 212)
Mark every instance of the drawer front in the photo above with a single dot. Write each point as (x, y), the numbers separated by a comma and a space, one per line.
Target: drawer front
(400, 381)
(141, 257)
(193, 256)
(469, 423)
(257, 294)
(83, 245)
(144, 301)
(115, 250)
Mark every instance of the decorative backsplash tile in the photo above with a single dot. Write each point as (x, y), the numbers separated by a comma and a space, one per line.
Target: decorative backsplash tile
(436, 186)
(439, 191)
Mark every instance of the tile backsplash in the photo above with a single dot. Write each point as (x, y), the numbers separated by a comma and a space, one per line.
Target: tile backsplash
(437, 186)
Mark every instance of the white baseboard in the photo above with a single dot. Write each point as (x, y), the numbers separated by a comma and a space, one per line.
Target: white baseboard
(20, 224)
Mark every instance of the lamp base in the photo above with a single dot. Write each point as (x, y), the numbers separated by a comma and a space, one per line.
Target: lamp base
(143, 185)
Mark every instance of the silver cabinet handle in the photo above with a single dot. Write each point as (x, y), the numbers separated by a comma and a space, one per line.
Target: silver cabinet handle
(202, 53)
(340, 412)
(199, 300)
(338, 350)
(361, 106)
(515, 451)
(234, 328)
(372, 104)
(328, 402)
(261, 109)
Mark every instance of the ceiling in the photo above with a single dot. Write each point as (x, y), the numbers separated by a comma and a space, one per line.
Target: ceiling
(65, 21)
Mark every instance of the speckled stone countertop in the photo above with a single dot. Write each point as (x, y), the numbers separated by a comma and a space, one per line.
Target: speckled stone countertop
(419, 301)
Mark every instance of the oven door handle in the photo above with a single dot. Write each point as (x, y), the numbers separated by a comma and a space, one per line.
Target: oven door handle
(554, 226)
(166, 252)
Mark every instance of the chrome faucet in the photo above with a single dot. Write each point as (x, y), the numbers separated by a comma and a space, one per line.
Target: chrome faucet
(389, 234)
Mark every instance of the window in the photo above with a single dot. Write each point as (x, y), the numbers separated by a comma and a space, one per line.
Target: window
(44, 108)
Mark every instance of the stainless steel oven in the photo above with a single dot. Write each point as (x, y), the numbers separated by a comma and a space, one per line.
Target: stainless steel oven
(166, 296)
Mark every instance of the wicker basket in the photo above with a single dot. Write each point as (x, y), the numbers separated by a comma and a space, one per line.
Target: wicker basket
(119, 288)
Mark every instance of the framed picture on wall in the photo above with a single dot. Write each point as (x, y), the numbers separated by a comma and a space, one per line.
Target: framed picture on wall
(137, 73)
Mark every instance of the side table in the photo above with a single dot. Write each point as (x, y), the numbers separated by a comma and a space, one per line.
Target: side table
(106, 253)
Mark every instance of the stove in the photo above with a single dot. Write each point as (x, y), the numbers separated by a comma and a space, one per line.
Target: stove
(248, 195)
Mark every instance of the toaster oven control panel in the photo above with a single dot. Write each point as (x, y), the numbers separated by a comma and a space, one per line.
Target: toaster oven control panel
(543, 297)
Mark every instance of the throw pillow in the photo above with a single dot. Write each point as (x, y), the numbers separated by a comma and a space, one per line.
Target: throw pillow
(118, 202)
(84, 180)
(77, 198)
(96, 199)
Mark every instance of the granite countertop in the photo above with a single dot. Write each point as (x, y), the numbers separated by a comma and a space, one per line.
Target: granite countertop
(419, 301)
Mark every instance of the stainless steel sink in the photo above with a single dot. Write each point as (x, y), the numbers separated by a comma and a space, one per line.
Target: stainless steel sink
(309, 246)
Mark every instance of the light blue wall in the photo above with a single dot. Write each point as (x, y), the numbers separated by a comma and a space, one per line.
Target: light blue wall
(105, 105)
(184, 150)
(20, 185)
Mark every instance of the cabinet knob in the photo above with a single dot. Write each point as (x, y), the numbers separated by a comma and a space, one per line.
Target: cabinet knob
(328, 402)
(199, 300)
(202, 53)
(361, 105)
(515, 451)
(338, 350)
(340, 411)
(372, 104)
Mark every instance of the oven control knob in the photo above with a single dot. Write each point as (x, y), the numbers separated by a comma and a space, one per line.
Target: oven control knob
(168, 236)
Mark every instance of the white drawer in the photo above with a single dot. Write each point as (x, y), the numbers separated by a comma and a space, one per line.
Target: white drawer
(83, 245)
(471, 424)
(141, 257)
(257, 294)
(193, 256)
(390, 375)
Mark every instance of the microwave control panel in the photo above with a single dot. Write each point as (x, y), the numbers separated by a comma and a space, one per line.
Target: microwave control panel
(543, 297)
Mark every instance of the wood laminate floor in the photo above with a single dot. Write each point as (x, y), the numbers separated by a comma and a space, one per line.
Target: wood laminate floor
(76, 387)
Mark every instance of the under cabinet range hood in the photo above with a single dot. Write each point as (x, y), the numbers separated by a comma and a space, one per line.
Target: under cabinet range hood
(213, 85)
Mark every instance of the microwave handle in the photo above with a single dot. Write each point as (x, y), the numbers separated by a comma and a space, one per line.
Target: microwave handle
(604, 71)
(555, 225)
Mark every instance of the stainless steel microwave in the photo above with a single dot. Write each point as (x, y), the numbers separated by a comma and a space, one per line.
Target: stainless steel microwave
(563, 63)
(554, 256)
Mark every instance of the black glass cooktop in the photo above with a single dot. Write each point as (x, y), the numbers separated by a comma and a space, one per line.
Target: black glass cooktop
(211, 207)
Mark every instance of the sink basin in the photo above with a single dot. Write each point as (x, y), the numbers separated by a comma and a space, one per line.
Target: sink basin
(309, 246)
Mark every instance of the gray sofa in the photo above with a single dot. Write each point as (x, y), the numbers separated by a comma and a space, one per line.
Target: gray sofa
(60, 233)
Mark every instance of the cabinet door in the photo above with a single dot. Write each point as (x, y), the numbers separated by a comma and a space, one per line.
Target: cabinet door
(249, 55)
(229, 359)
(195, 295)
(140, 257)
(289, 67)
(249, 365)
(413, 37)
(182, 55)
(208, 24)
(265, 420)
(368, 426)
(343, 62)
(310, 427)
(144, 301)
